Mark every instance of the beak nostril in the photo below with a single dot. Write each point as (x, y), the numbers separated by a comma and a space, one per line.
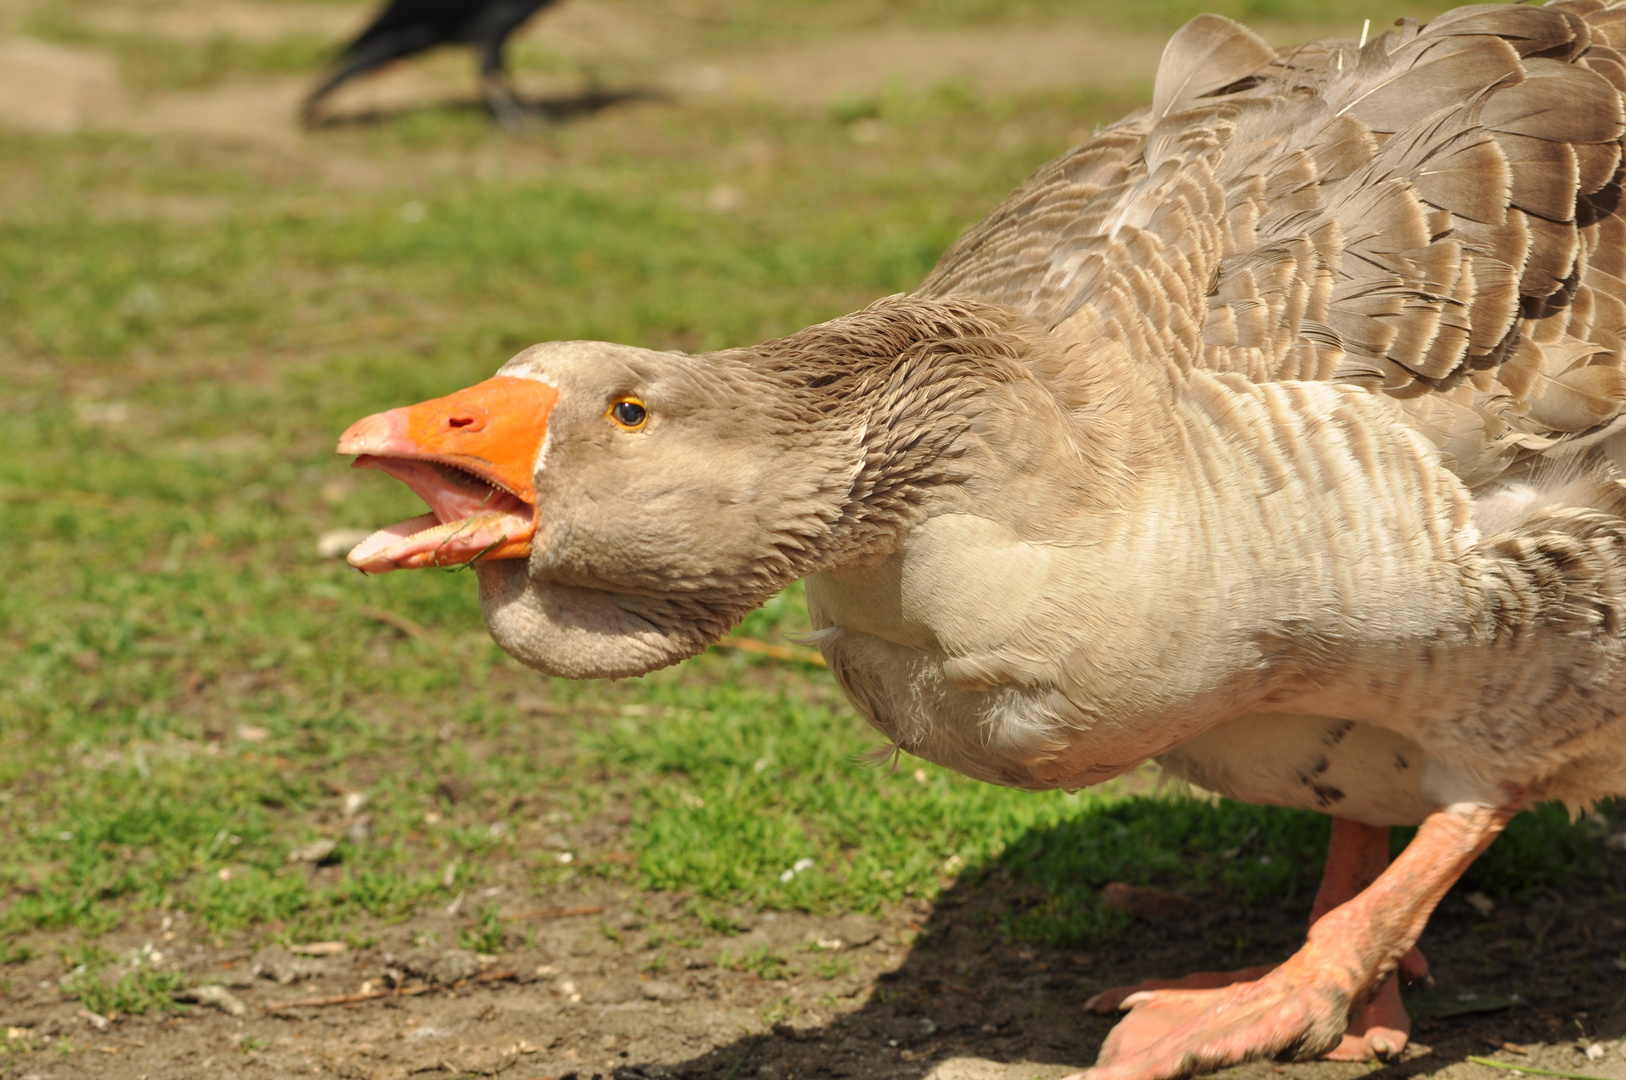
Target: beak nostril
(460, 421)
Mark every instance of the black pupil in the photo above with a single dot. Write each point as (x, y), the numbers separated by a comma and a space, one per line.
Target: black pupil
(629, 413)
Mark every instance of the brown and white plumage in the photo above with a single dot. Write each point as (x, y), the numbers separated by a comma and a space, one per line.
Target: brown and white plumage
(1431, 219)
(1431, 216)
(1275, 431)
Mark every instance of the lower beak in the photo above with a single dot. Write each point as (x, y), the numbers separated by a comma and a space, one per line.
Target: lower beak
(472, 457)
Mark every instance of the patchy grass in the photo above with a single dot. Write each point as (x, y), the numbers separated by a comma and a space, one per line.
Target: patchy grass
(721, 24)
(192, 695)
(104, 988)
(761, 961)
(194, 692)
(486, 935)
(151, 61)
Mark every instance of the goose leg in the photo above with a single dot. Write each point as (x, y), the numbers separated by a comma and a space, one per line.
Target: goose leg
(1302, 1008)
(1356, 855)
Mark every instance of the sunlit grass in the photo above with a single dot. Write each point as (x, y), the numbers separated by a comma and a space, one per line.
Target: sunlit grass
(191, 686)
(190, 694)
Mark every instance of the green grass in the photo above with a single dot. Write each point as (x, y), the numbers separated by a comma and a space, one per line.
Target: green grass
(486, 935)
(190, 684)
(761, 961)
(190, 692)
(100, 987)
(141, 991)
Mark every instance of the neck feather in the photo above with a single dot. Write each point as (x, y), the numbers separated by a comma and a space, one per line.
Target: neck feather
(891, 405)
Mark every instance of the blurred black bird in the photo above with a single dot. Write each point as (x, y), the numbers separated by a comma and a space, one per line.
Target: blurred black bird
(407, 27)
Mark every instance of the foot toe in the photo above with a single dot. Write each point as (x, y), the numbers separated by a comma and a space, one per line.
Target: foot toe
(1374, 1043)
(1350, 1048)
(1386, 1042)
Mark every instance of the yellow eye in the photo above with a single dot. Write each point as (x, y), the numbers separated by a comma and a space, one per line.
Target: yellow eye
(629, 413)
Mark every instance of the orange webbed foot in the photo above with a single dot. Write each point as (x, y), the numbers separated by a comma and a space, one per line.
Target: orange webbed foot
(1110, 1001)
(1297, 1009)
(1302, 1009)
(1380, 1029)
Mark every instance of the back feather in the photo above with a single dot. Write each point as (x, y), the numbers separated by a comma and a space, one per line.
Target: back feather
(1436, 216)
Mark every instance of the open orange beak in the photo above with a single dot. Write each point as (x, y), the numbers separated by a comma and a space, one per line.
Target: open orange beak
(470, 456)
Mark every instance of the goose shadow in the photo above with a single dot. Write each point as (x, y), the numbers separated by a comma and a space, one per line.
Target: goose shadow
(557, 109)
(1000, 967)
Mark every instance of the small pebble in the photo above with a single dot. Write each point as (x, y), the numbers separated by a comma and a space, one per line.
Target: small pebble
(278, 963)
(217, 996)
(450, 966)
(659, 990)
(360, 830)
(317, 851)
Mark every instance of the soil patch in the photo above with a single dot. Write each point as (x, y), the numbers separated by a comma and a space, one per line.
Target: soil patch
(593, 980)
(54, 89)
(199, 20)
(992, 60)
(589, 49)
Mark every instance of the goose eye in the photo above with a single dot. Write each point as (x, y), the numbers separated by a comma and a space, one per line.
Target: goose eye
(629, 413)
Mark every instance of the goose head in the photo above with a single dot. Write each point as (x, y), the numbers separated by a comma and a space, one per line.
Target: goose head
(623, 507)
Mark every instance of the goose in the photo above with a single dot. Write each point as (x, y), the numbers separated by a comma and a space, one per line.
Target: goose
(1274, 433)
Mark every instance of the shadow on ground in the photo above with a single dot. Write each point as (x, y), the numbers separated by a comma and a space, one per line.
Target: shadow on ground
(1542, 965)
(561, 109)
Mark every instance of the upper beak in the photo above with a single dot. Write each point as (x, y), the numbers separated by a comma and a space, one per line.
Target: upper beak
(492, 431)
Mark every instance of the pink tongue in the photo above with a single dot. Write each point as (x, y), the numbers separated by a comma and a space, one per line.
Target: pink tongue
(423, 541)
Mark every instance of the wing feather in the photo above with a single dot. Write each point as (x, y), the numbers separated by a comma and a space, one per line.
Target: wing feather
(1436, 215)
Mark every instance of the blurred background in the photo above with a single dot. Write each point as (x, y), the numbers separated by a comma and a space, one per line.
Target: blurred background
(210, 728)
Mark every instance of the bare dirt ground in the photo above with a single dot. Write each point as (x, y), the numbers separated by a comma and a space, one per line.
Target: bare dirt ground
(597, 45)
(919, 992)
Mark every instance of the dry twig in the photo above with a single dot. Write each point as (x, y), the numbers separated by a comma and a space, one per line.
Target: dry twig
(407, 626)
(557, 913)
(769, 649)
(370, 995)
